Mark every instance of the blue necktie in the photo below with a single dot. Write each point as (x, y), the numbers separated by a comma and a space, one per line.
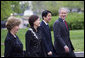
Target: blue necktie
(48, 29)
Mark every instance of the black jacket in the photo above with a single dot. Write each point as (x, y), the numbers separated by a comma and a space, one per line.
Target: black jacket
(34, 47)
(13, 46)
(62, 38)
(47, 40)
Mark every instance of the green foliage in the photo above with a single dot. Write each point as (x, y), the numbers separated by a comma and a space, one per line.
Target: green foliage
(16, 7)
(75, 21)
(71, 4)
(5, 9)
(24, 6)
(8, 7)
(54, 6)
(54, 11)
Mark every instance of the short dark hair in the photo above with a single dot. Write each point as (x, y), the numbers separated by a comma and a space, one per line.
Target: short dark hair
(32, 19)
(45, 13)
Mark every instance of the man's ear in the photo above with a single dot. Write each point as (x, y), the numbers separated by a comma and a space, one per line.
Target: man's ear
(43, 17)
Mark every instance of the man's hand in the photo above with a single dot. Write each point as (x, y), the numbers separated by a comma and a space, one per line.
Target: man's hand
(50, 53)
(66, 49)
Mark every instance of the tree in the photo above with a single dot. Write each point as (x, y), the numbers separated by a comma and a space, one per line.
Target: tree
(38, 6)
(54, 6)
(8, 7)
(5, 9)
(24, 5)
(16, 6)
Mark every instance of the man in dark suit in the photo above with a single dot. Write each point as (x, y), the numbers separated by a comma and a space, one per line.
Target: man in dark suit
(49, 49)
(62, 42)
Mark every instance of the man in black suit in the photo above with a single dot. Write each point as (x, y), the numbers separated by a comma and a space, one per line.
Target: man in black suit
(62, 42)
(49, 49)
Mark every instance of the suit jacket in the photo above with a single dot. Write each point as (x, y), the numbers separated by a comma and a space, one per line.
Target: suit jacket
(62, 38)
(13, 46)
(34, 47)
(47, 38)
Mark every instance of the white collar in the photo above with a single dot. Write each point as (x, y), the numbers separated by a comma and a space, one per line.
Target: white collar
(62, 19)
(14, 36)
(45, 22)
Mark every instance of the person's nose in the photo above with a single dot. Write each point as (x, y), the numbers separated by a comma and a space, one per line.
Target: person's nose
(50, 17)
(18, 28)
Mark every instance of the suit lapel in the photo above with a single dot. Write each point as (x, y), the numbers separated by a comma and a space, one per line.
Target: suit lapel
(63, 23)
(44, 27)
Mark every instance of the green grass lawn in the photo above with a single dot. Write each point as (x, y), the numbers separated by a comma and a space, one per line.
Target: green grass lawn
(77, 38)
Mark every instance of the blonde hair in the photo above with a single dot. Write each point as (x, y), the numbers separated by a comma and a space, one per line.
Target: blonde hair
(11, 22)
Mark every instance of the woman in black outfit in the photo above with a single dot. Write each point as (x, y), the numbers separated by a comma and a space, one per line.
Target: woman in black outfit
(34, 46)
(13, 46)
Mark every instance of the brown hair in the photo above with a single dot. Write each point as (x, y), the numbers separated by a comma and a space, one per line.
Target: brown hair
(32, 19)
(11, 22)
